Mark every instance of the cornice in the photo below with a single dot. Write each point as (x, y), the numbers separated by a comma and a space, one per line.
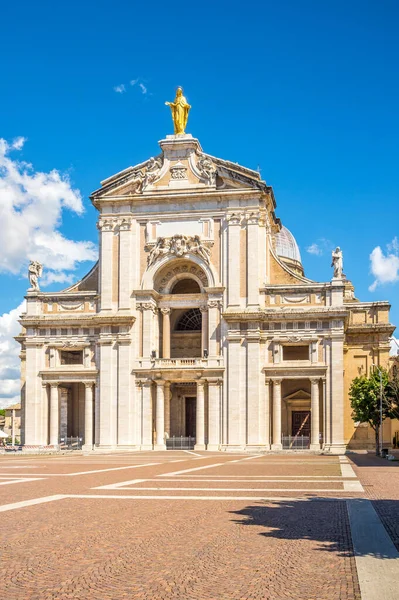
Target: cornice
(286, 313)
(84, 319)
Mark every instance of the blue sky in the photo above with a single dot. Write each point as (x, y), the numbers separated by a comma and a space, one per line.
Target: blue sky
(306, 90)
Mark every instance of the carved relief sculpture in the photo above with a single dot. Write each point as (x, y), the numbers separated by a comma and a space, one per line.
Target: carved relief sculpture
(154, 167)
(179, 245)
(35, 271)
(180, 109)
(207, 169)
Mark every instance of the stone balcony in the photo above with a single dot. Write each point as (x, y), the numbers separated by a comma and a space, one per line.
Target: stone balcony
(180, 368)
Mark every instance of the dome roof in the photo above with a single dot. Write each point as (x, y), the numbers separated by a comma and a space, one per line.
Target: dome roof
(286, 245)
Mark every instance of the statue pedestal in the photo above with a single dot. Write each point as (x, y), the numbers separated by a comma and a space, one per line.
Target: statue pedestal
(179, 147)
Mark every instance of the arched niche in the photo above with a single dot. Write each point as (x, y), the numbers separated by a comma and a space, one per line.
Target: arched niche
(176, 273)
(164, 273)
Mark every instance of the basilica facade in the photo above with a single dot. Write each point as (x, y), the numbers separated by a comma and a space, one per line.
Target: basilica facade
(197, 323)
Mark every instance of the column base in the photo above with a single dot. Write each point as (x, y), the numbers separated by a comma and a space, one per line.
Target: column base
(159, 446)
(314, 447)
(335, 448)
(277, 446)
(146, 447)
(199, 447)
(87, 447)
(213, 447)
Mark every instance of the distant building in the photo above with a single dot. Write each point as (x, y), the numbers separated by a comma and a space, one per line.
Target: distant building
(198, 320)
(12, 421)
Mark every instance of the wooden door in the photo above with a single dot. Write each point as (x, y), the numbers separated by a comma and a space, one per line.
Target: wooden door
(301, 422)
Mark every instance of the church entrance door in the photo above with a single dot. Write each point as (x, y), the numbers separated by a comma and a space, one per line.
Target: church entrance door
(301, 423)
(191, 406)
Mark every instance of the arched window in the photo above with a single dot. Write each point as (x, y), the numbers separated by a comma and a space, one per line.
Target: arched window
(190, 321)
(186, 286)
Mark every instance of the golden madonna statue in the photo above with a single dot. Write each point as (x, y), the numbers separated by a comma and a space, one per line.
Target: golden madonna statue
(179, 108)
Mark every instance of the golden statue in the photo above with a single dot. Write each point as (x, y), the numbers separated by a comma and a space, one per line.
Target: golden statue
(179, 108)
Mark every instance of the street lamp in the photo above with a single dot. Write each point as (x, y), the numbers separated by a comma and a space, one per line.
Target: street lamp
(380, 374)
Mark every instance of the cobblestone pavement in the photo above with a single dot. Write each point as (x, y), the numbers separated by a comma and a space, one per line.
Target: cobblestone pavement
(380, 479)
(168, 525)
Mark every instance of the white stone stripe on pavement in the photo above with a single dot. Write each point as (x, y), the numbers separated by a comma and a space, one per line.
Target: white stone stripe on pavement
(376, 557)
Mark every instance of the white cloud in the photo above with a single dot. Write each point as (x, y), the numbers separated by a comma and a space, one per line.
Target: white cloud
(133, 81)
(119, 89)
(394, 350)
(9, 357)
(31, 206)
(385, 267)
(320, 247)
(143, 88)
(314, 249)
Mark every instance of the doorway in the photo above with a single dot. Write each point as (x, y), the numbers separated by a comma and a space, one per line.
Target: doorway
(190, 417)
(301, 423)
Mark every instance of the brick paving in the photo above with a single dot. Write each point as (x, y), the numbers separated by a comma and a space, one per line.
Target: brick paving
(297, 546)
(380, 479)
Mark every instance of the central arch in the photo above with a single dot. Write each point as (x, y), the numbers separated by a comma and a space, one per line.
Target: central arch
(164, 273)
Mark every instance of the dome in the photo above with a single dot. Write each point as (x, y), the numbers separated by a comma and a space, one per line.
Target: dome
(286, 245)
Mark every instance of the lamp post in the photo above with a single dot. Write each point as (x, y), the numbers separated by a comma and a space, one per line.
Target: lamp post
(381, 430)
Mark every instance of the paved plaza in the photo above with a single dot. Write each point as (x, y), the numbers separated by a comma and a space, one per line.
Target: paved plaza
(163, 525)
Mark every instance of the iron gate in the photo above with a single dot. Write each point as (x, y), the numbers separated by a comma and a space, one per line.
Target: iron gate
(180, 443)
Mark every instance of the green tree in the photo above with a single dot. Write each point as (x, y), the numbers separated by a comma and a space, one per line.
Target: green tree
(364, 395)
(2, 412)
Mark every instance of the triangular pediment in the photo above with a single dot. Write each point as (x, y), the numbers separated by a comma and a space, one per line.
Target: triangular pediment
(182, 165)
(298, 395)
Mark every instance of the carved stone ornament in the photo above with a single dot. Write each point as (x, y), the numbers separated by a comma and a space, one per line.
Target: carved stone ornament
(214, 303)
(253, 218)
(153, 170)
(147, 306)
(234, 218)
(178, 171)
(207, 169)
(179, 245)
(71, 305)
(294, 299)
(184, 268)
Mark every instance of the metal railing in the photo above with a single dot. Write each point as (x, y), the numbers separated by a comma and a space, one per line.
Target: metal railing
(180, 443)
(71, 443)
(295, 442)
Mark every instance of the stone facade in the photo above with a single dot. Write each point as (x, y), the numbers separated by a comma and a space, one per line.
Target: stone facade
(197, 321)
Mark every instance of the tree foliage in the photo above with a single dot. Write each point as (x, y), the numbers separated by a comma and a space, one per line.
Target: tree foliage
(365, 397)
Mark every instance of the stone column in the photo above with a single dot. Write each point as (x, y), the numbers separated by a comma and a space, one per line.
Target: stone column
(200, 417)
(253, 258)
(146, 416)
(54, 415)
(125, 267)
(88, 445)
(106, 227)
(165, 332)
(214, 387)
(213, 324)
(149, 311)
(276, 445)
(45, 414)
(315, 414)
(167, 407)
(160, 416)
(204, 330)
(233, 268)
(337, 443)
(265, 415)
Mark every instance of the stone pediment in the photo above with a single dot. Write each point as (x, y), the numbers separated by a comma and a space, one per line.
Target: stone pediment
(298, 395)
(182, 165)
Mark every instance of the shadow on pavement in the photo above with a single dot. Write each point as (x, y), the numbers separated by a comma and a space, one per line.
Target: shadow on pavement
(321, 520)
(370, 460)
